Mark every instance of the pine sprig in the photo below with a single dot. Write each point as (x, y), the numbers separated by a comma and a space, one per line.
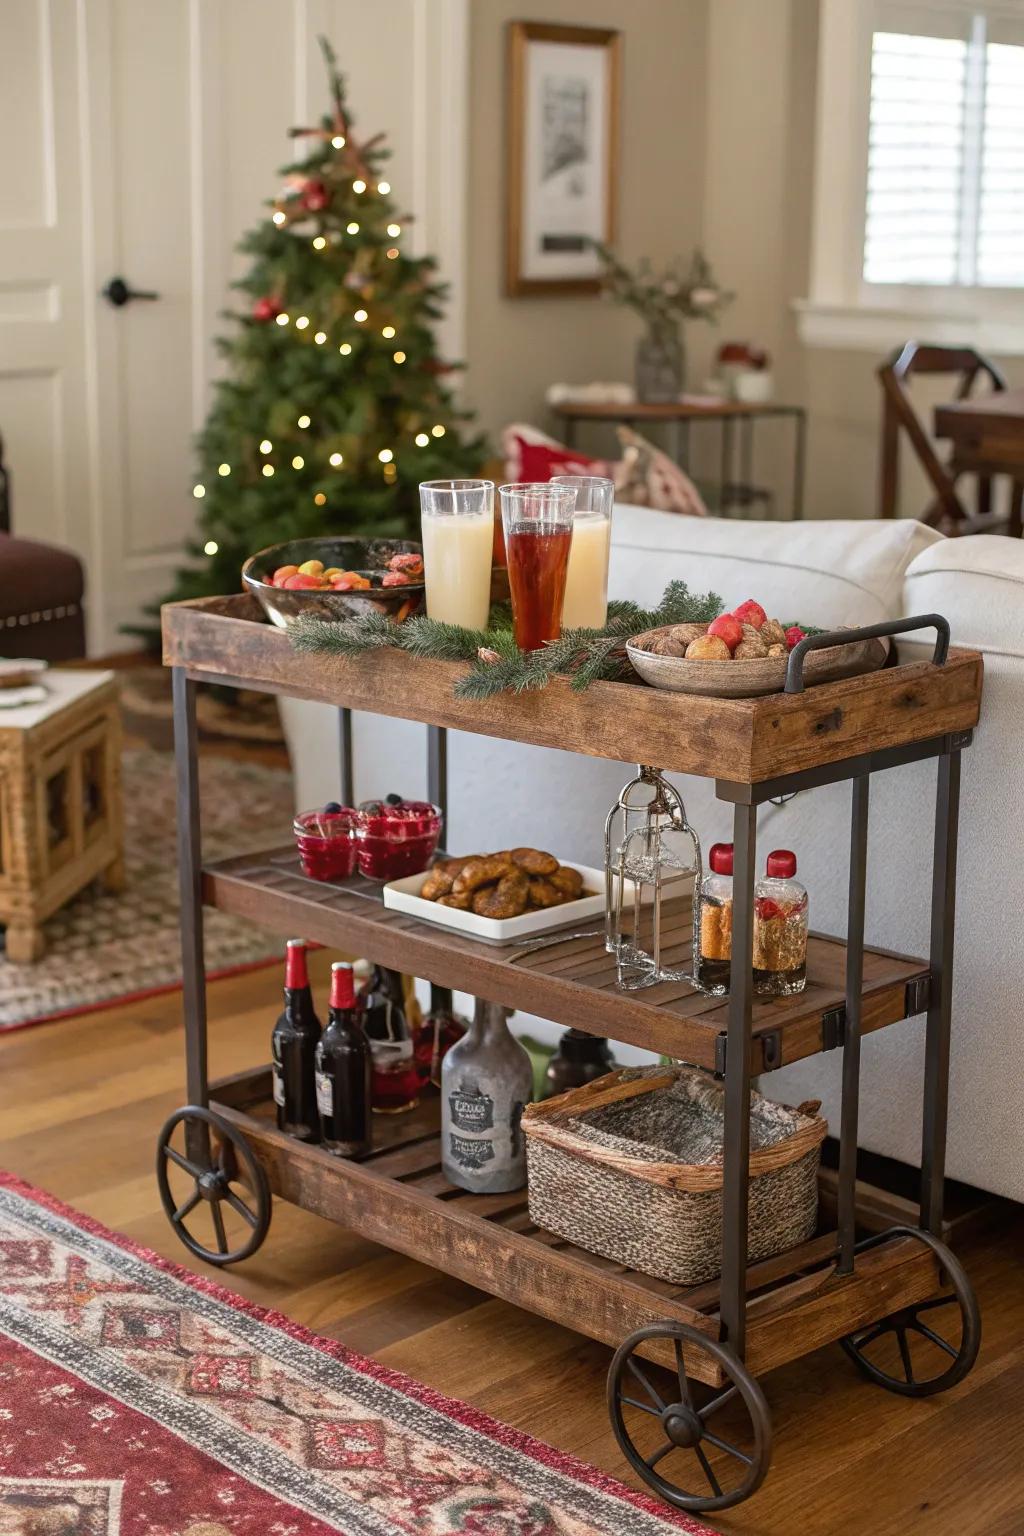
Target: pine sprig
(496, 664)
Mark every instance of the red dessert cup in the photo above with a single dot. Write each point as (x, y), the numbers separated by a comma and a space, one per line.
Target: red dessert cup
(326, 842)
(396, 837)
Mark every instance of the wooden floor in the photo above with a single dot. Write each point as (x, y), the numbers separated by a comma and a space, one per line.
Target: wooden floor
(81, 1102)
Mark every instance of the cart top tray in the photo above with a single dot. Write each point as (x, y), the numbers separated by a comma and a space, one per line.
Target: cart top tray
(739, 741)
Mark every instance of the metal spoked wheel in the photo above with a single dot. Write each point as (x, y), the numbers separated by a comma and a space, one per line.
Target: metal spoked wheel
(701, 1448)
(226, 1181)
(925, 1348)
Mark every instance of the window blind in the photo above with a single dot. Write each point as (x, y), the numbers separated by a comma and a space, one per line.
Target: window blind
(945, 162)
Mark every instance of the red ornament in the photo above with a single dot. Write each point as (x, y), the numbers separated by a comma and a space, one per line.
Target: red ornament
(315, 196)
(265, 308)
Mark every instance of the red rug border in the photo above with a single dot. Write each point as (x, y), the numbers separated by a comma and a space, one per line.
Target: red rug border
(453, 1408)
(142, 995)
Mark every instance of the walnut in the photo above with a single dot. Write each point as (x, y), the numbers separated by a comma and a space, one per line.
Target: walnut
(772, 633)
(683, 634)
(751, 650)
(778, 650)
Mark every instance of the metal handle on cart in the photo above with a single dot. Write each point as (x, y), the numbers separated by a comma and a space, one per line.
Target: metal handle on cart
(795, 670)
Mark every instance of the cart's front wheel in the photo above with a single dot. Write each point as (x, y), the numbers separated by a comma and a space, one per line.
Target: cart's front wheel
(701, 1448)
(215, 1170)
(928, 1347)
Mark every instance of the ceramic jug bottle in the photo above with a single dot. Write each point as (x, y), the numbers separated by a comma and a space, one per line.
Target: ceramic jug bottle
(486, 1079)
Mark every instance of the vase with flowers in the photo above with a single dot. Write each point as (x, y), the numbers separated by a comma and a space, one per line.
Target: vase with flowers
(663, 300)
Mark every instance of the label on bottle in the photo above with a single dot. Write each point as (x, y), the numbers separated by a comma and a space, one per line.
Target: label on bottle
(324, 1094)
(471, 1111)
(469, 1152)
(278, 1084)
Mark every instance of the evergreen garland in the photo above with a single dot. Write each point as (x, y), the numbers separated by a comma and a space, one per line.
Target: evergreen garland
(496, 664)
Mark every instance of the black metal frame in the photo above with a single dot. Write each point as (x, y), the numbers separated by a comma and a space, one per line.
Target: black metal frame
(745, 799)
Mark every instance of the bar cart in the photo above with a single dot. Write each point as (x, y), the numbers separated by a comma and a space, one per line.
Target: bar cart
(703, 1442)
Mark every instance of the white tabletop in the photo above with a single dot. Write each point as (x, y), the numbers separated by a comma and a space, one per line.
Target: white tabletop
(62, 688)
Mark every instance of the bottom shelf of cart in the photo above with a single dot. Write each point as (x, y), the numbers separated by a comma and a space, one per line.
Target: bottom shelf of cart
(398, 1196)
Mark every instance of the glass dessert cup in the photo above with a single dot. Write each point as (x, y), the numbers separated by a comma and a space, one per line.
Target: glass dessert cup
(326, 841)
(396, 838)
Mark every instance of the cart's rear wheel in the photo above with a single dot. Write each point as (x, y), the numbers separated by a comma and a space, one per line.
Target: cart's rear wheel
(225, 1178)
(922, 1349)
(700, 1448)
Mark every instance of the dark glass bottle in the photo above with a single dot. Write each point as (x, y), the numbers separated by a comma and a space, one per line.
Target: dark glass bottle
(437, 1033)
(293, 1046)
(396, 1082)
(343, 1067)
(579, 1059)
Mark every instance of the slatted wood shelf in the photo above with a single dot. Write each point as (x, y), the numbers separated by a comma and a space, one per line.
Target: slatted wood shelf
(398, 1195)
(224, 639)
(572, 982)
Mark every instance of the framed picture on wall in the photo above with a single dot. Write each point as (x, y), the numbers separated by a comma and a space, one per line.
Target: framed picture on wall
(563, 127)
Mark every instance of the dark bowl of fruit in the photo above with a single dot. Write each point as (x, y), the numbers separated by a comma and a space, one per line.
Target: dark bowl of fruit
(337, 579)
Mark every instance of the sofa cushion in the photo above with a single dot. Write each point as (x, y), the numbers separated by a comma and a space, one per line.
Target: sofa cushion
(844, 572)
(978, 584)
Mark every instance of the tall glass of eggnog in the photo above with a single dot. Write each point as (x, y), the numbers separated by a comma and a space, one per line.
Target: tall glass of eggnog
(586, 583)
(457, 519)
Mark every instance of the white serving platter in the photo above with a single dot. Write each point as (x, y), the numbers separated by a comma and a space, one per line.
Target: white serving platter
(404, 896)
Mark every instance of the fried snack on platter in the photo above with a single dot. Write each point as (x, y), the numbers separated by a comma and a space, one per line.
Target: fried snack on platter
(506, 899)
(461, 901)
(482, 871)
(544, 894)
(438, 883)
(534, 861)
(568, 881)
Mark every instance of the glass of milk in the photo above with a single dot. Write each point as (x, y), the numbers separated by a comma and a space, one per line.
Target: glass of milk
(457, 520)
(586, 583)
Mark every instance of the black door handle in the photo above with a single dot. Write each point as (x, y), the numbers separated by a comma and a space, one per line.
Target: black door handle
(118, 292)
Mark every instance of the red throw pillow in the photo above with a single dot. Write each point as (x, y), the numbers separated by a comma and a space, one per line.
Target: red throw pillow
(530, 455)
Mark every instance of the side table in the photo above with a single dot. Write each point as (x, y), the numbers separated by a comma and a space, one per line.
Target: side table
(60, 803)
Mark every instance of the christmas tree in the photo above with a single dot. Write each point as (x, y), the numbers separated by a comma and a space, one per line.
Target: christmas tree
(333, 406)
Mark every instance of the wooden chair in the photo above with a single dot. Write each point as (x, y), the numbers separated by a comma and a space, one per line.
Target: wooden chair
(898, 414)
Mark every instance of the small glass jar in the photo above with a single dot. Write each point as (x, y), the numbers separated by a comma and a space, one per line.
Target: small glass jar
(326, 841)
(714, 958)
(396, 837)
(780, 929)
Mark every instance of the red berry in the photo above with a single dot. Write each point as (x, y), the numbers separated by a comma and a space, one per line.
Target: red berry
(300, 583)
(750, 613)
(265, 309)
(794, 634)
(727, 628)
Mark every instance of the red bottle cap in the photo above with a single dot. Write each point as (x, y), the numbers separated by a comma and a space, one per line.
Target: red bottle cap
(295, 972)
(720, 858)
(343, 991)
(781, 865)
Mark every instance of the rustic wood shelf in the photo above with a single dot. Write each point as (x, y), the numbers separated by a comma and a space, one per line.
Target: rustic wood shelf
(741, 740)
(573, 982)
(398, 1195)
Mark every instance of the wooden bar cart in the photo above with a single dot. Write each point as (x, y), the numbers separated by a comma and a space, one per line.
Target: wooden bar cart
(877, 1295)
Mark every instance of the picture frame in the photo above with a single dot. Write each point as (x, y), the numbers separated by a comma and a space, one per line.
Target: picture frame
(564, 103)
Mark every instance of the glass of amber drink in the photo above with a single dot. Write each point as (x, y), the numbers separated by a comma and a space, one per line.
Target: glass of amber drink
(537, 520)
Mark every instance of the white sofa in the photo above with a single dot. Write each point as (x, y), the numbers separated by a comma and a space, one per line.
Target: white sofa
(825, 573)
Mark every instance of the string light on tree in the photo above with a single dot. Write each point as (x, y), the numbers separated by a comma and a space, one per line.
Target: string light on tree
(279, 217)
(345, 348)
(394, 230)
(303, 421)
(336, 459)
(266, 446)
(388, 332)
(223, 469)
(199, 491)
(438, 431)
(298, 462)
(399, 357)
(352, 228)
(359, 185)
(282, 318)
(393, 253)
(320, 338)
(319, 244)
(210, 547)
(422, 439)
(338, 142)
(302, 322)
(320, 499)
(383, 187)
(268, 470)
(359, 316)
(385, 455)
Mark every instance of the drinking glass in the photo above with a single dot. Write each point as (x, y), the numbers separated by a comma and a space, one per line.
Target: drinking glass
(586, 584)
(537, 519)
(457, 521)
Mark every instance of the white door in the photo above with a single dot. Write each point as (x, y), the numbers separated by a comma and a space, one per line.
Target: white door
(140, 140)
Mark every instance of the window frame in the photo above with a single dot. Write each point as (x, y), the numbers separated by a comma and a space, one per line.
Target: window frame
(842, 309)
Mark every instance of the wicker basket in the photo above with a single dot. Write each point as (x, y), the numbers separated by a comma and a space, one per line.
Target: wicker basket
(631, 1167)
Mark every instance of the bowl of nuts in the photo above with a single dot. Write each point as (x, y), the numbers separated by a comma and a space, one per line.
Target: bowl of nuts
(741, 655)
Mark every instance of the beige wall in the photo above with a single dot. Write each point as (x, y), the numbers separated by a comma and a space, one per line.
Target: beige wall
(517, 347)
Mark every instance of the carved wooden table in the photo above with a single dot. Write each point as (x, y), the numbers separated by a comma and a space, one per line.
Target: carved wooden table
(865, 1283)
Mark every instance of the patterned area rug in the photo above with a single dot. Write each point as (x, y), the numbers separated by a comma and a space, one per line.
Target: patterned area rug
(102, 947)
(138, 1398)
